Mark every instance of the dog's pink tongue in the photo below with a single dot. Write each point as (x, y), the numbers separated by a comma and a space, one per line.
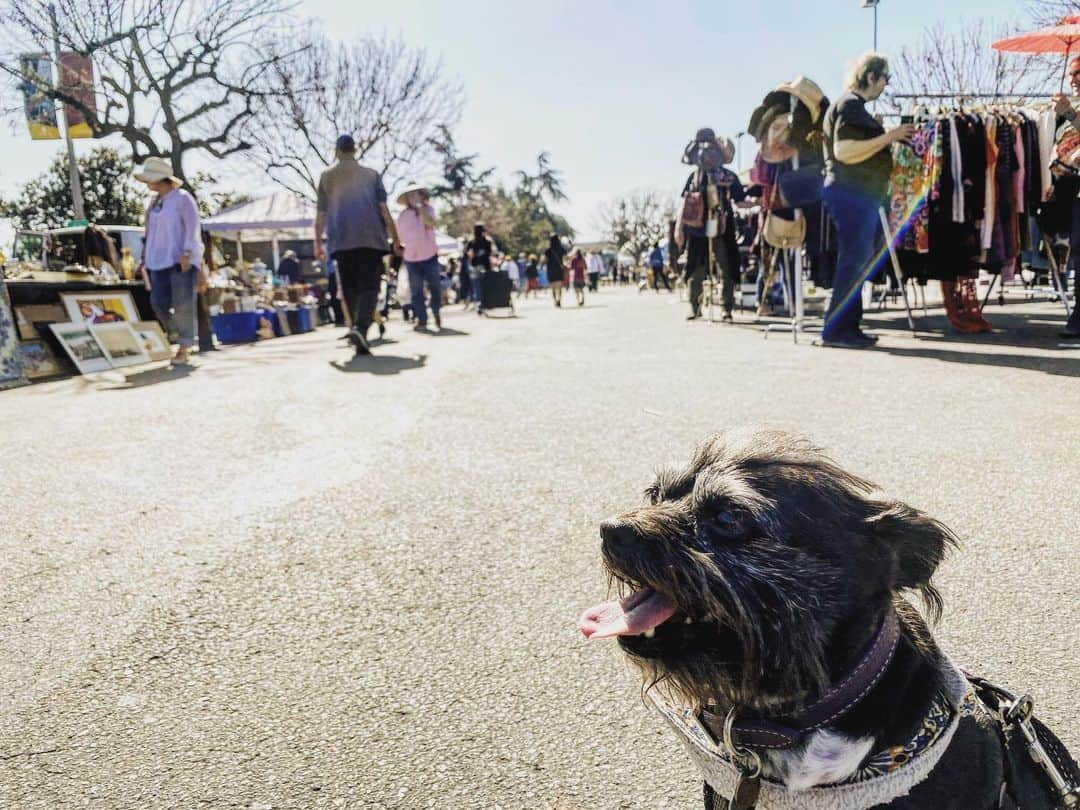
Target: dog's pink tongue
(631, 616)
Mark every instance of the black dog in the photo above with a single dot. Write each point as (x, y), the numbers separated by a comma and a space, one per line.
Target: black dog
(766, 588)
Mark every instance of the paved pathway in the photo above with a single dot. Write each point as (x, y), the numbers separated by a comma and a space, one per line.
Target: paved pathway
(290, 580)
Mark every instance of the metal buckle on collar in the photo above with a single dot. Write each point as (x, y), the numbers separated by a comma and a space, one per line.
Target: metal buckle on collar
(1018, 711)
(748, 785)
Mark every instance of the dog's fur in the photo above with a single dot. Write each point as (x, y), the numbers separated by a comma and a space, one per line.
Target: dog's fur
(782, 565)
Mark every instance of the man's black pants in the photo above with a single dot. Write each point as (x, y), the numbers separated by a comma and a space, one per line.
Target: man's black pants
(360, 273)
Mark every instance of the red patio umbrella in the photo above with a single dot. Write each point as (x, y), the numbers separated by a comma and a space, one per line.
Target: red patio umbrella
(1061, 38)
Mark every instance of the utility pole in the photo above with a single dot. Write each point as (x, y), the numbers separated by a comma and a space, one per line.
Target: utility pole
(73, 169)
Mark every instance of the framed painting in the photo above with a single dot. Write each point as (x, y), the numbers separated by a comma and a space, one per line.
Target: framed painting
(38, 360)
(26, 318)
(11, 365)
(81, 346)
(100, 307)
(153, 339)
(121, 343)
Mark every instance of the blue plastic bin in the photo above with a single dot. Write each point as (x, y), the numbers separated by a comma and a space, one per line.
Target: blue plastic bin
(236, 327)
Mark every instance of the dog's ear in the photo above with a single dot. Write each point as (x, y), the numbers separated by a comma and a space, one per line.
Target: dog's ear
(917, 544)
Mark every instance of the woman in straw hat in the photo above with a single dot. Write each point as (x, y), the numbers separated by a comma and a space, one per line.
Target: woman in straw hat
(416, 228)
(172, 254)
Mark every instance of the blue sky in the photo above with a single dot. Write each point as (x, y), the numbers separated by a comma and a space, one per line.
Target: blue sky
(613, 89)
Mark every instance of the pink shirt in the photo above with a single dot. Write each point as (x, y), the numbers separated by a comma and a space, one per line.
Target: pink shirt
(418, 239)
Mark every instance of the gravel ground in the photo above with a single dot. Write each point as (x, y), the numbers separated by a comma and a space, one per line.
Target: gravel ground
(286, 579)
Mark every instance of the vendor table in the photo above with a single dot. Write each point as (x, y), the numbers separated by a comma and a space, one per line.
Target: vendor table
(25, 292)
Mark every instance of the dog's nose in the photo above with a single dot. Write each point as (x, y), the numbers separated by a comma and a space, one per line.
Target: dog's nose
(616, 532)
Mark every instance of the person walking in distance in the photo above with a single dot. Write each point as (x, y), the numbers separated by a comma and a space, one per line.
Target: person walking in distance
(578, 271)
(478, 252)
(595, 265)
(656, 264)
(416, 228)
(172, 253)
(555, 270)
(352, 210)
(532, 276)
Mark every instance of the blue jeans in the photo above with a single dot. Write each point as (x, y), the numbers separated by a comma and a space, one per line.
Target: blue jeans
(421, 274)
(172, 296)
(857, 221)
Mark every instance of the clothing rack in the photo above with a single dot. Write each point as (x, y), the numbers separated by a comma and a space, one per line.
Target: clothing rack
(1047, 246)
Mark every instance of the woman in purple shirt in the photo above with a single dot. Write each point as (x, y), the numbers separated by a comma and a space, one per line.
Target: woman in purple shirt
(172, 254)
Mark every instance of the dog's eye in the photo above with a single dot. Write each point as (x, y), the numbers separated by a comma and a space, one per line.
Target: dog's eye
(727, 521)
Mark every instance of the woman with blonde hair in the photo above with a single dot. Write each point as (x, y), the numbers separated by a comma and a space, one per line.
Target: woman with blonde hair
(858, 165)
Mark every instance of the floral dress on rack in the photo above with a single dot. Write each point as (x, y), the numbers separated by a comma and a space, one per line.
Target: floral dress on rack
(912, 180)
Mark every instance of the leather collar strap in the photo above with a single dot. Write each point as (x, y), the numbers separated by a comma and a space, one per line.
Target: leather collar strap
(833, 704)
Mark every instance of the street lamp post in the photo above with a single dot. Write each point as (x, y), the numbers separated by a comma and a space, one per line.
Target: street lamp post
(872, 4)
(738, 151)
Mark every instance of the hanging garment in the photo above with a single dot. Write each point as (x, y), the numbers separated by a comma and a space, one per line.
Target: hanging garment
(991, 183)
(909, 215)
(956, 172)
(1047, 126)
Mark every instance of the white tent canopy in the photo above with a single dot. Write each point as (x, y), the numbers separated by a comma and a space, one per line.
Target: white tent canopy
(282, 215)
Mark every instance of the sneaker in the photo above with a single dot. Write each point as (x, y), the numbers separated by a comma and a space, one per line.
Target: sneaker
(359, 342)
(420, 326)
(382, 330)
(693, 316)
(438, 321)
(864, 336)
(727, 317)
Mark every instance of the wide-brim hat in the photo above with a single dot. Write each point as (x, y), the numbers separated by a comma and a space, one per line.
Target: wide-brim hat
(779, 101)
(727, 149)
(409, 189)
(156, 169)
(806, 91)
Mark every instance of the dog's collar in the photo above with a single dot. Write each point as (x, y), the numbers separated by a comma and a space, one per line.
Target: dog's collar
(833, 704)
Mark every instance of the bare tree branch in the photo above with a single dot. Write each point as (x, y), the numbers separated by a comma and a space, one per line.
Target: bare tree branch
(173, 76)
(637, 220)
(390, 98)
(958, 61)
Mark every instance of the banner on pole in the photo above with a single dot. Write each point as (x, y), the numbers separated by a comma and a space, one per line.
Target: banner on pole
(36, 70)
(77, 80)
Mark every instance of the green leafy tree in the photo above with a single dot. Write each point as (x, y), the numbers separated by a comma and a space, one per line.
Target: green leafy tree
(110, 195)
(460, 176)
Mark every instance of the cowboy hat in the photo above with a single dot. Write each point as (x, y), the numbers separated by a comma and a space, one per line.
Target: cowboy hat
(409, 189)
(156, 169)
(808, 93)
(727, 149)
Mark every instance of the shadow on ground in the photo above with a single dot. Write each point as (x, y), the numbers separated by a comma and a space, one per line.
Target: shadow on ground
(381, 364)
(444, 332)
(1061, 366)
(141, 379)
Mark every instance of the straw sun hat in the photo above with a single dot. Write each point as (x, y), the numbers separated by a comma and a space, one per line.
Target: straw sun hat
(409, 189)
(156, 169)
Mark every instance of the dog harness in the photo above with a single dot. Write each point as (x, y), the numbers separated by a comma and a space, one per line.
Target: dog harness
(876, 783)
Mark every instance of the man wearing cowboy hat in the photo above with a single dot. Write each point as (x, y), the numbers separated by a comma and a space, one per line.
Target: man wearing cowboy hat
(352, 212)
(416, 227)
(172, 253)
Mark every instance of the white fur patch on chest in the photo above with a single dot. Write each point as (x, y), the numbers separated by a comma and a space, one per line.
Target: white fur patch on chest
(827, 757)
